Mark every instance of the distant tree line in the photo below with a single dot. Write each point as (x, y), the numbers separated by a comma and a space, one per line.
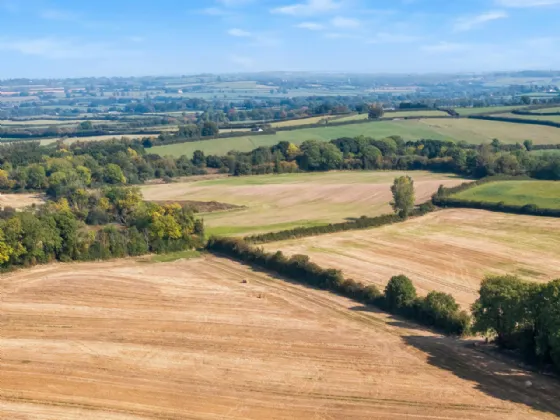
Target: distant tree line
(437, 310)
(110, 223)
(30, 166)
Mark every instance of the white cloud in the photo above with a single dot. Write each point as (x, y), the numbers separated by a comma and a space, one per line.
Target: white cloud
(56, 48)
(470, 22)
(54, 14)
(239, 33)
(527, 3)
(312, 26)
(392, 38)
(311, 7)
(445, 47)
(340, 35)
(342, 22)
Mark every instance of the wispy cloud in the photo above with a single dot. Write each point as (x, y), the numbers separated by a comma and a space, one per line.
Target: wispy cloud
(312, 26)
(392, 38)
(445, 47)
(527, 3)
(309, 8)
(55, 14)
(340, 35)
(342, 22)
(239, 33)
(56, 48)
(470, 22)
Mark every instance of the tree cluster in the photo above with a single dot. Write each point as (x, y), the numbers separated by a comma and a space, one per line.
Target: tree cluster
(111, 223)
(28, 166)
(521, 316)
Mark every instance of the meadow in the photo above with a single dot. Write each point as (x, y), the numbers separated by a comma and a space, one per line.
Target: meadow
(452, 129)
(485, 110)
(545, 194)
(207, 338)
(553, 118)
(449, 250)
(278, 202)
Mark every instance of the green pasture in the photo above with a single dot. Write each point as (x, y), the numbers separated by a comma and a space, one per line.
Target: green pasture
(452, 129)
(545, 194)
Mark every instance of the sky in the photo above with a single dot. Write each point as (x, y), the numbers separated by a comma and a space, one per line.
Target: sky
(68, 38)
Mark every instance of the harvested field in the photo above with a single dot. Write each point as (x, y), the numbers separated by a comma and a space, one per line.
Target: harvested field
(449, 250)
(188, 340)
(19, 201)
(276, 202)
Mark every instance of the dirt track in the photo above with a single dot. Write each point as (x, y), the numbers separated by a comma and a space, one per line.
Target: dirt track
(188, 340)
(449, 250)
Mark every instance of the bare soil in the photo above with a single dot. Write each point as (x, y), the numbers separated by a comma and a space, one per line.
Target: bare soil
(211, 339)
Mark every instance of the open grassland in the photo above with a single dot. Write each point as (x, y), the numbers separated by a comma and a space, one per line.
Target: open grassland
(301, 121)
(398, 114)
(469, 130)
(546, 151)
(126, 340)
(544, 194)
(19, 201)
(449, 251)
(481, 131)
(553, 118)
(547, 110)
(277, 202)
(485, 110)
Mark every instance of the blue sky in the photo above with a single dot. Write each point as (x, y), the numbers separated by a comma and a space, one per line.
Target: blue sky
(63, 38)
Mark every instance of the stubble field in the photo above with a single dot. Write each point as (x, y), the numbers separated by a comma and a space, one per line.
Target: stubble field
(277, 202)
(126, 340)
(449, 251)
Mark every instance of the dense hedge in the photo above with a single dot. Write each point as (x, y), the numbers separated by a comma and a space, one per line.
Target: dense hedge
(516, 120)
(521, 112)
(443, 198)
(302, 270)
(361, 223)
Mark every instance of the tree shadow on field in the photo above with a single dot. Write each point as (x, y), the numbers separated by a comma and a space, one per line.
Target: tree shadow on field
(395, 320)
(498, 378)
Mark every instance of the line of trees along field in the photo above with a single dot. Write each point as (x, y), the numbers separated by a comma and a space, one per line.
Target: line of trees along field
(111, 223)
(438, 310)
(30, 166)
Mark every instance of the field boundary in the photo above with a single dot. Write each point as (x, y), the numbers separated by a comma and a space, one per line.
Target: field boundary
(361, 223)
(301, 270)
(515, 120)
(444, 198)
